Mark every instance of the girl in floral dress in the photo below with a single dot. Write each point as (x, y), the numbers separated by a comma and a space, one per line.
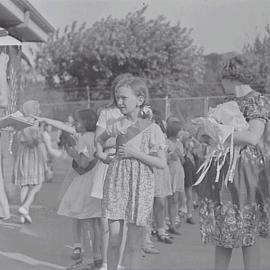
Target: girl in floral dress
(233, 215)
(129, 183)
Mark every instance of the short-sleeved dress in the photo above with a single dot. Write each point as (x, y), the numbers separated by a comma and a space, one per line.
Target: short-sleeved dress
(235, 215)
(107, 117)
(129, 183)
(29, 165)
(76, 201)
(175, 166)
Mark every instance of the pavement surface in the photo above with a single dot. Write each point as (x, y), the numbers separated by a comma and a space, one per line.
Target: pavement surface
(46, 244)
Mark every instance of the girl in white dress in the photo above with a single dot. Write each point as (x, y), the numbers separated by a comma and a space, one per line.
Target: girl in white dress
(76, 201)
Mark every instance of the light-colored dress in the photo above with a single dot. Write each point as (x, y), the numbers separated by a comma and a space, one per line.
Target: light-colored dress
(29, 165)
(129, 184)
(107, 117)
(175, 165)
(163, 186)
(76, 201)
(235, 215)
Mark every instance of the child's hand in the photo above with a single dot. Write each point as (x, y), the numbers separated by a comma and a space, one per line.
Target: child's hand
(126, 151)
(38, 118)
(71, 151)
(105, 157)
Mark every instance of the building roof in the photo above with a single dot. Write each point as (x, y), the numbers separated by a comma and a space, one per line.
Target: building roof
(23, 21)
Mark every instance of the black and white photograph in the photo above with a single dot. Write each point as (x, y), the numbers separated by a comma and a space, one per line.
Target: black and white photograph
(134, 134)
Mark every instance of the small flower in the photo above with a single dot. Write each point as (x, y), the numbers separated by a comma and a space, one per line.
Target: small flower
(248, 239)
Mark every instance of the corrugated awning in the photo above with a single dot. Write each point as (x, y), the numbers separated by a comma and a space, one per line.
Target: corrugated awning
(9, 41)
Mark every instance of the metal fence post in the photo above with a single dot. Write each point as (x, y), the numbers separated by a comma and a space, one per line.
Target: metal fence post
(167, 107)
(88, 96)
(205, 106)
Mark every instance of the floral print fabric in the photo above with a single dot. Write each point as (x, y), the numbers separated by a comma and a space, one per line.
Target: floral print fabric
(235, 215)
(129, 183)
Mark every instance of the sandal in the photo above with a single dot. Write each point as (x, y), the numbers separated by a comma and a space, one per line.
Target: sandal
(164, 239)
(172, 230)
(76, 254)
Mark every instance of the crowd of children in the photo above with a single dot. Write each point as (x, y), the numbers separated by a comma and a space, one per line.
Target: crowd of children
(132, 176)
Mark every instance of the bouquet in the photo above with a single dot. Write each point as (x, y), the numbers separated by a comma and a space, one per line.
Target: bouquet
(220, 124)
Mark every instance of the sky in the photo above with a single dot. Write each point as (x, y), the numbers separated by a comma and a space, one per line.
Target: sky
(218, 25)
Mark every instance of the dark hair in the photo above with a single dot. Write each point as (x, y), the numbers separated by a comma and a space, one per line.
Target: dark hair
(173, 127)
(157, 118)
(239, 69)
(88, 117)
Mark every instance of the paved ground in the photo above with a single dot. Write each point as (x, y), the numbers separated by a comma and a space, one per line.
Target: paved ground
(46, 244)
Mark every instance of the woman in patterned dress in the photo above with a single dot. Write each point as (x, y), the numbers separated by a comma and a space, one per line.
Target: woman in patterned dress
(234, 215)
(129, 183)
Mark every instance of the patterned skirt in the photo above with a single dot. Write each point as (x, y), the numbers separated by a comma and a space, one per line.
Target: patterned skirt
(29, 166)
(234, 215)
(128, 191)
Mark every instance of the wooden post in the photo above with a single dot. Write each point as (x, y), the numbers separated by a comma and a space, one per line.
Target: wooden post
(13, 74)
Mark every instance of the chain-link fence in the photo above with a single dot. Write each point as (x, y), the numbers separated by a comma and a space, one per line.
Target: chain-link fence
(183, 108)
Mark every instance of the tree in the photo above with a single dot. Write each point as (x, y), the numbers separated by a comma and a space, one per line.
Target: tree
(163, 54)
(258, 55)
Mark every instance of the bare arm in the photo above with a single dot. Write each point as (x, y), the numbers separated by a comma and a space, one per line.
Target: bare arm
(252, 135)
(159, 160)
(80, 158)
(101, 137)
(56, 124)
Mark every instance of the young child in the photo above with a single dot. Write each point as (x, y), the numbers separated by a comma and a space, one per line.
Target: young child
(49, 151)
(29, 165)
(163, 188)
(190, 178)
(129, 183)
(76, 201)
(175, 157)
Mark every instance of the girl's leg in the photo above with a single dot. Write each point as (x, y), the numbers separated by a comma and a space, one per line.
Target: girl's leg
(77, 239)
(132, 252)
(23, 194)
(86, 241)
(105, 240)
(123, 244)
(222, 258)
(182, 201)
(159, 213)
(31, 196)
(251, 257)
(190, 207)
(96, 240)
(173, 211)
(115, 239)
